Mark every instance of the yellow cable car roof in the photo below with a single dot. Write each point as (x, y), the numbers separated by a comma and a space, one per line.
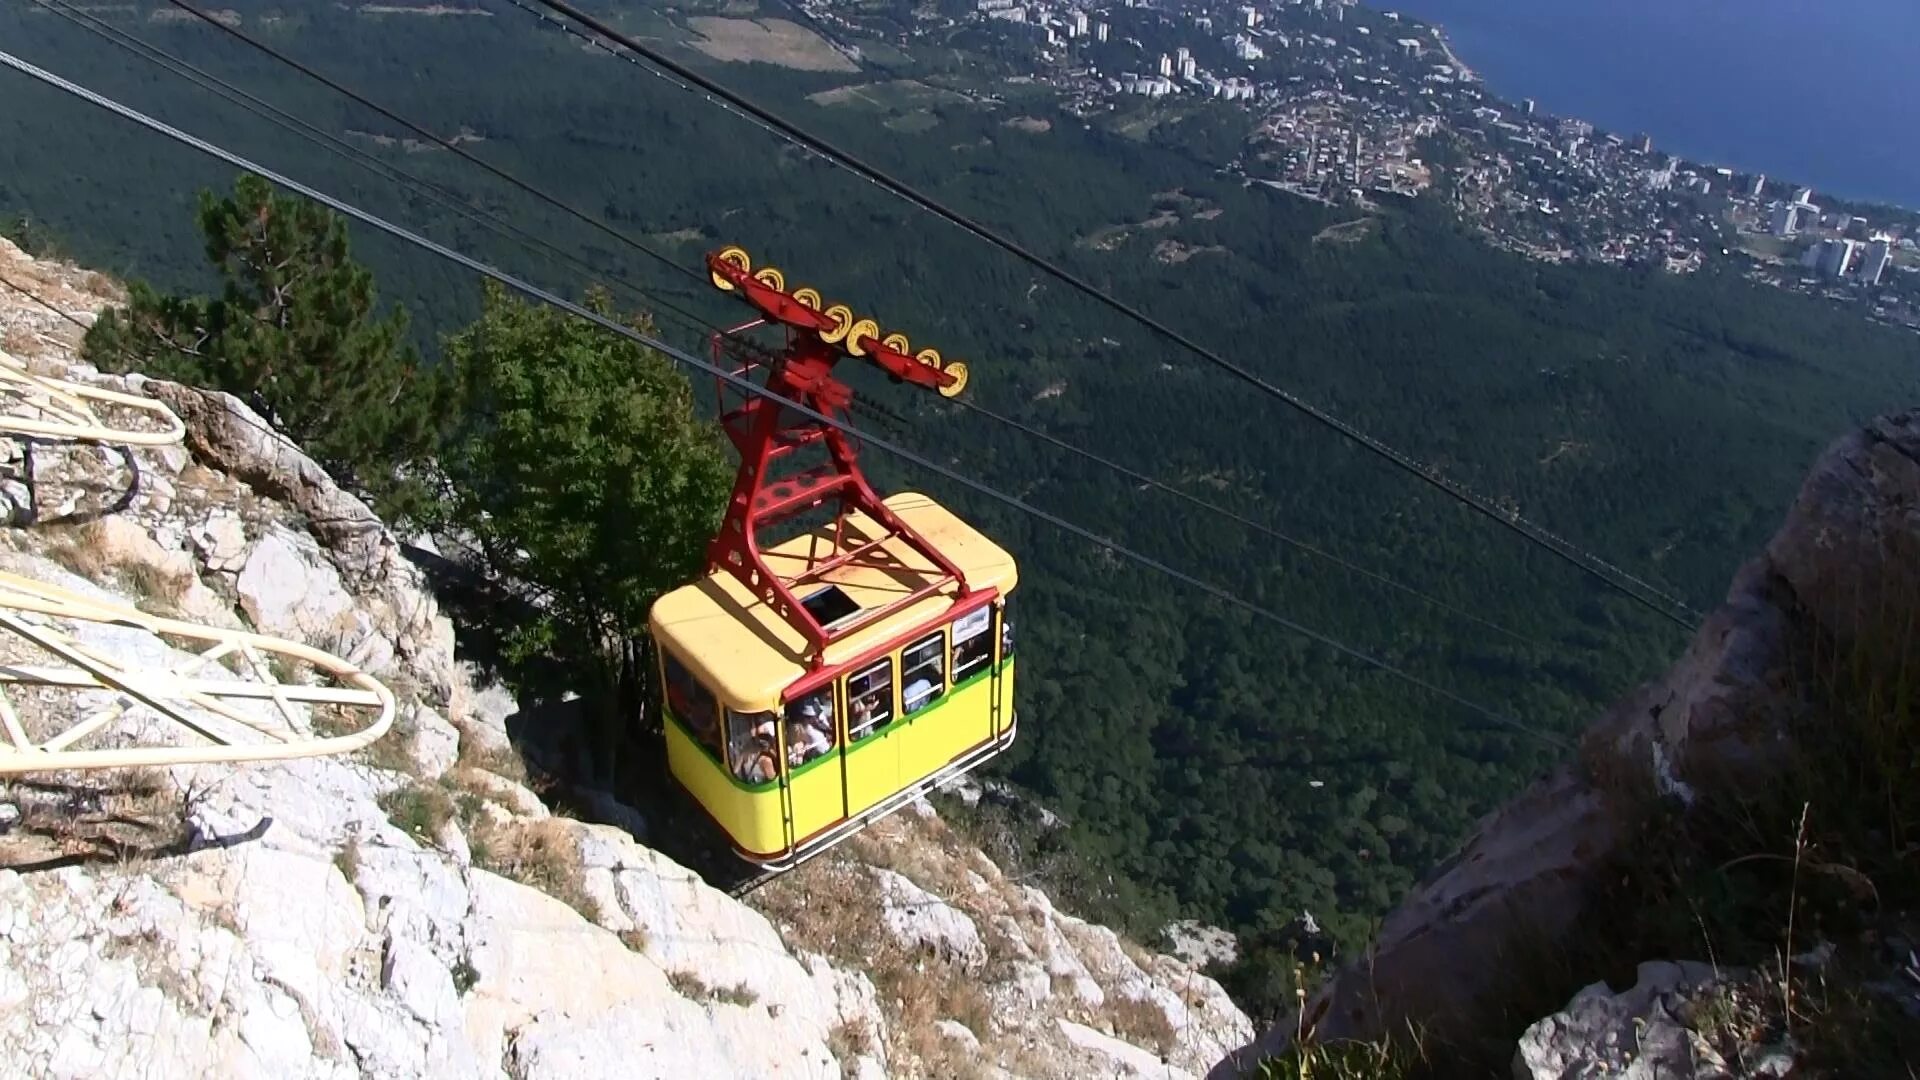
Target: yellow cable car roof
(747, 654)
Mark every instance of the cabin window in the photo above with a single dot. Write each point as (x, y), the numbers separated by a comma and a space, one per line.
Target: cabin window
(923, 674)
(1006, 634)
(972, 643)
(692, 702)
(751, 749)
(810, 727)
(869, 700)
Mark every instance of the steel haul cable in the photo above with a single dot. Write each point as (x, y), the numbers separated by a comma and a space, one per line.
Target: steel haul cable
(699, 325)
(1242, 519)
(1608, 574)
(341, 148)
(1613, 577)
(445, 144)
(746, 386)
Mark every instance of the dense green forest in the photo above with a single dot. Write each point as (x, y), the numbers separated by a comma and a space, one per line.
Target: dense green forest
(1207, 764)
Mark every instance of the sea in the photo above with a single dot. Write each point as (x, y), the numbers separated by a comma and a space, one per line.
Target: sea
(1818, 92)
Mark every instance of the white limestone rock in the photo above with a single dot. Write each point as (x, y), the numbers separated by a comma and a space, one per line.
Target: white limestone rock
(288, 588)
(1117, 1057)
(916, 917)
(1640, 1033)
(432, 744)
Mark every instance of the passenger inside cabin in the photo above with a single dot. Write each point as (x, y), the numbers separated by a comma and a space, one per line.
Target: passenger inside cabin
(754, 761)
(926, 683)
(869, 700)
(810, 727)
(805, 742)
(756, 756)
(917, 693)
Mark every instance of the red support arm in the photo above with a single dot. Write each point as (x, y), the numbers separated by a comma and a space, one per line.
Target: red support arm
(767, 436)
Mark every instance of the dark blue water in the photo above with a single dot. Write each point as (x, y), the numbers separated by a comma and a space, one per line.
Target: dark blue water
(1822, 92)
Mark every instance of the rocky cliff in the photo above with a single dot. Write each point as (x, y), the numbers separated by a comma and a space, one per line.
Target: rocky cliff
(1752, 718)
(416, 909)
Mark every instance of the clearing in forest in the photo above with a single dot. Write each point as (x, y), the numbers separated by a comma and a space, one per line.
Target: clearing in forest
(1347, 232)
(438, 11)
(679, 236)
(886, 96)
(768, 41)
(1173, 252)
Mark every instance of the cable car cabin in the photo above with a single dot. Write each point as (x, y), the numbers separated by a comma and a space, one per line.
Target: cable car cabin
(822, 675)
(789, 757)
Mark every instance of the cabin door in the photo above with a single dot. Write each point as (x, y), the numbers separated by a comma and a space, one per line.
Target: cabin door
(815, 791)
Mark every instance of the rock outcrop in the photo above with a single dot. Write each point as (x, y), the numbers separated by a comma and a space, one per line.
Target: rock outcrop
(415, 909)
(1676, 1020)
(984, 969)
(1843, 567)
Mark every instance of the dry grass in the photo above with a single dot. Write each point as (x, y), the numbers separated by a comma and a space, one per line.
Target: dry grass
(827, 906)
(333, 721)
(348, 859)
(387, 752)
(499, 760)
(1382, 1060)
(692, 987)
(154, 589)
(539, 854)
(849, 1039)
(154, 959)
(84, 549)
(102, 286)
(20, 341)
(832, 906)
(80, 548)
(1141, 1022)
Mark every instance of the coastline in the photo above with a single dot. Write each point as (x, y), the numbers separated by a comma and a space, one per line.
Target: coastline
(1440, 35)
(1874, 196)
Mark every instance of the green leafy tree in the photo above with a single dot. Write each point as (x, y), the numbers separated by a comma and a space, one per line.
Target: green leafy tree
(580, 470)
(295, 333)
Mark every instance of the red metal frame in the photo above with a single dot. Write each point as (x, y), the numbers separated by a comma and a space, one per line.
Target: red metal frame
(771, 439)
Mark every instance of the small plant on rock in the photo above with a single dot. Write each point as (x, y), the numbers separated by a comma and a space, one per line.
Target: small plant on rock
(418, 809)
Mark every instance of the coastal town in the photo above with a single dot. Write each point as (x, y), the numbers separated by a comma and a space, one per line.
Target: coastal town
(1344, 103)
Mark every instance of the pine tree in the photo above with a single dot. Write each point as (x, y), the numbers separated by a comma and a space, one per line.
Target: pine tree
(296, 335)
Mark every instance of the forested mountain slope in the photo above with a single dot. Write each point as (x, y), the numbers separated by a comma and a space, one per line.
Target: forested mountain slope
(1207, 762)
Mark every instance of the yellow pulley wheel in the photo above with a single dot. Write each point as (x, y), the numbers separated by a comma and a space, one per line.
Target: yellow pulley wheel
(842, 317)
(808, 296)
(898, 343)
(957, 369)
(736, 256)
(859, 334)
(929, 357)
(771, 278)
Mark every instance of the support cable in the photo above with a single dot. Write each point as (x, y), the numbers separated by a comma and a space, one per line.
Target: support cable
(339, 147)
(1613, 577)
(700, 326)
(1266, 530)
(747, 386)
